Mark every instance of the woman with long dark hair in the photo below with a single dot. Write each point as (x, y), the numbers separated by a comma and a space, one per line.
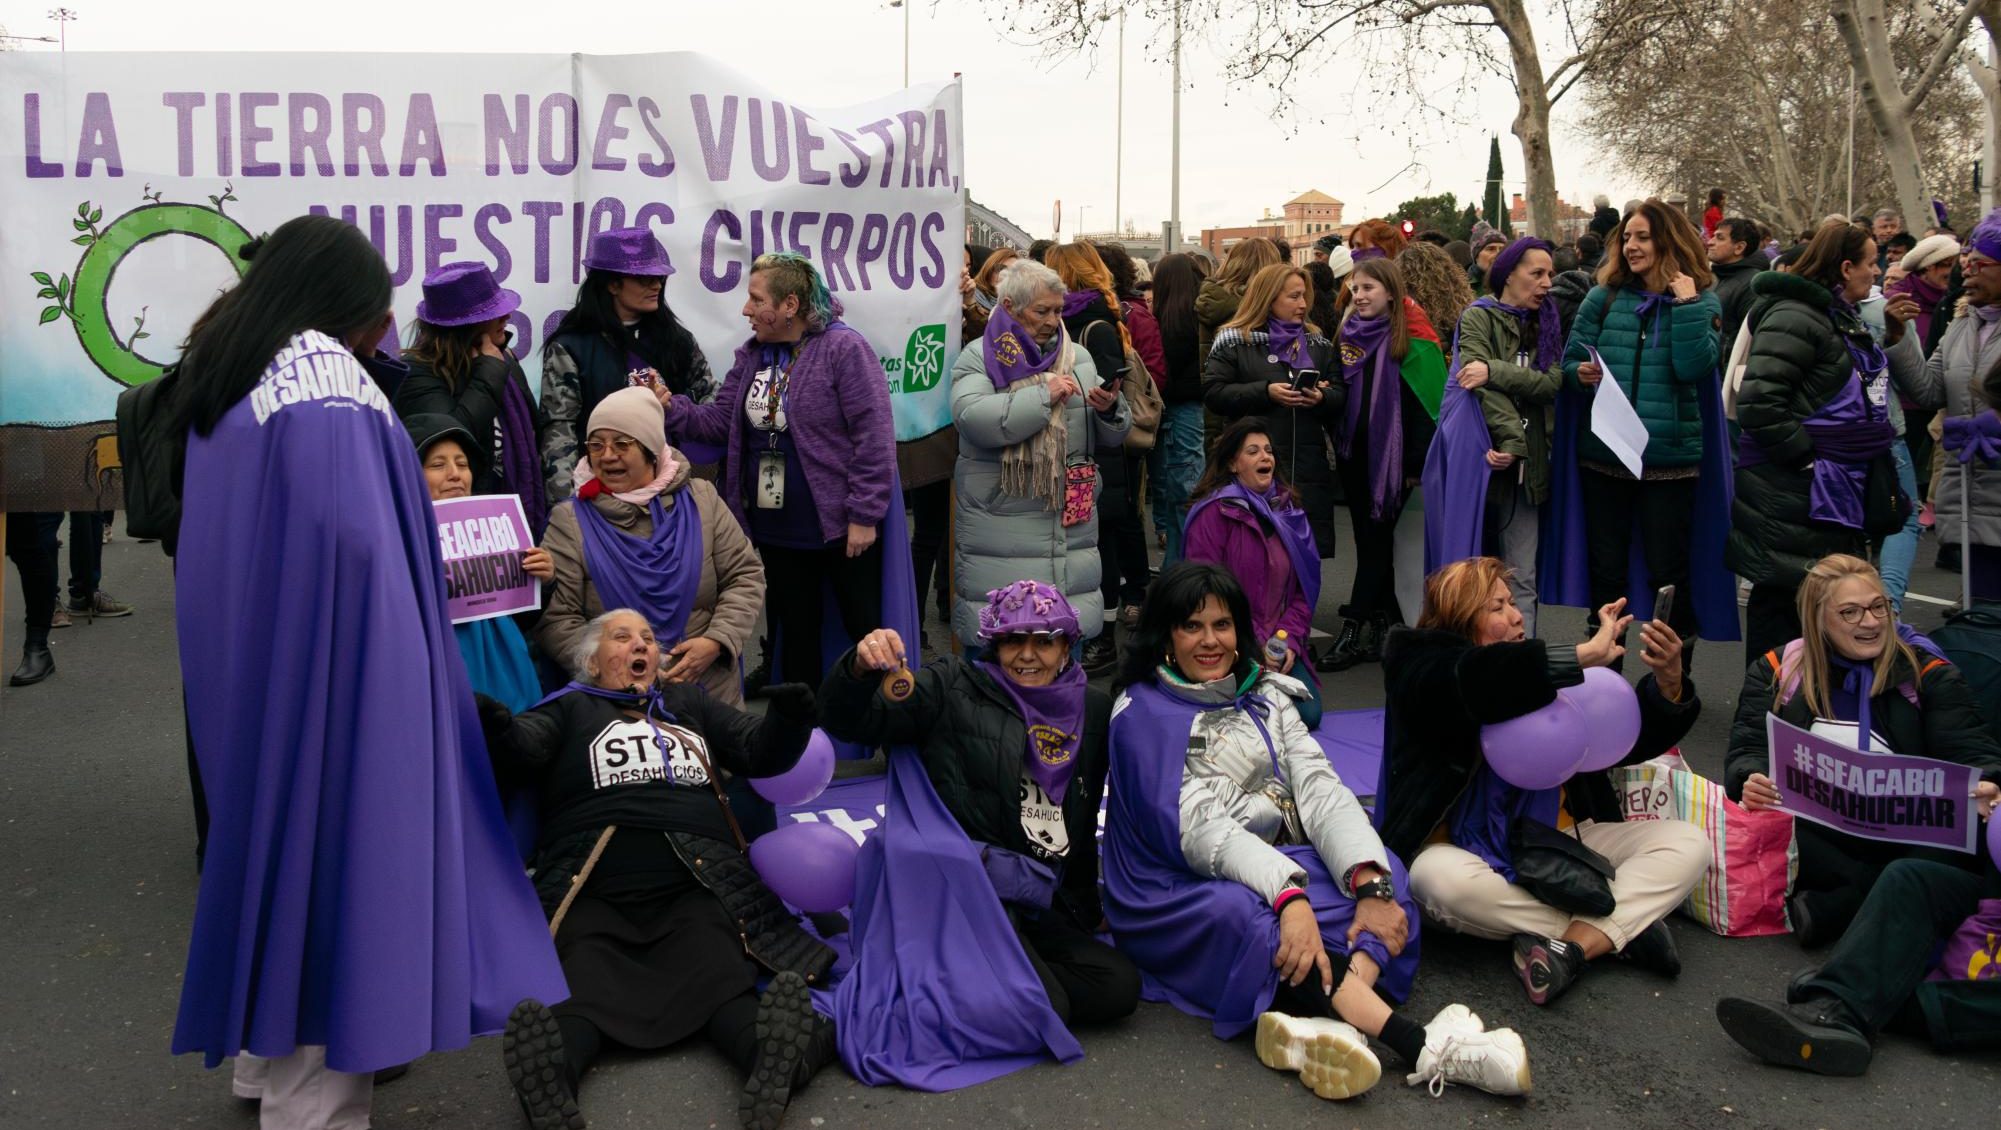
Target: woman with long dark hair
(620, 332)
(1176, 459)
(392, 918)
(1244, 877)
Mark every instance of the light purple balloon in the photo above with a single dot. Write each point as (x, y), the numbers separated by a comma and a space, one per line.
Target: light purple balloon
(808, 864)
(1539, 750)
(1611, 710)
(803, 781)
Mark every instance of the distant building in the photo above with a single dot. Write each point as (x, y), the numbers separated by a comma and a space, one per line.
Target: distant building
(1304, 219)
(1218, 241)
(988, 228)
(1571, 221)
(1147, 245)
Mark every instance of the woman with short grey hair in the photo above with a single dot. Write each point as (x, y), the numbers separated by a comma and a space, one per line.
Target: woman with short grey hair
(1030, 409)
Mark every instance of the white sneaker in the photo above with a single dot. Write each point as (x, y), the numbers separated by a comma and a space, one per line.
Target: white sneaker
(1496, 1062)
(1332, 1058)
(1454, 1019)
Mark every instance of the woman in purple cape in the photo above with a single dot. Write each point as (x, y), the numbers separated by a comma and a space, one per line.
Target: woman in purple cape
(990, 834)
(1244, 878)
(361, 903)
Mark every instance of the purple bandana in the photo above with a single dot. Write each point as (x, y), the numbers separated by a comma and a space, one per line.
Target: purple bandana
(1011, 352)
(1548, 329)
(1078, 301)
(1365, 345)
(1053, 715)
(1288, 342)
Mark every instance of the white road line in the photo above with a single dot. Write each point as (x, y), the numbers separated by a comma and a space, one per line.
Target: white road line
(1918, 596)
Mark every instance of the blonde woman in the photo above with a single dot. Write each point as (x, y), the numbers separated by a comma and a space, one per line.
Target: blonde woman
(1269, 361)
(1856, 676)
(1216, 303)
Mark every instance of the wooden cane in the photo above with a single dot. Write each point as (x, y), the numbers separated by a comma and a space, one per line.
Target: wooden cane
(577, 883)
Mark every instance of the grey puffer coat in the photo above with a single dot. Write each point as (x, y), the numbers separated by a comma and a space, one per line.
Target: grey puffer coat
(1960, 362)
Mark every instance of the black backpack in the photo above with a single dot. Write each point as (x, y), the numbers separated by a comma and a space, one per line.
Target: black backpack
(154, 450)
(1971, 638)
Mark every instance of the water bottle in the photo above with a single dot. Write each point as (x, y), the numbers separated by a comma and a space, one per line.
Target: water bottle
(1275, 650)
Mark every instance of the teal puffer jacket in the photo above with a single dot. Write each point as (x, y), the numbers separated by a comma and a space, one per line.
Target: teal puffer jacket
(1660, 367)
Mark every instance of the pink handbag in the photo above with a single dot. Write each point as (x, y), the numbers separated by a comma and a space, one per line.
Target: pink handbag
(1080, 493)
(1753, 858)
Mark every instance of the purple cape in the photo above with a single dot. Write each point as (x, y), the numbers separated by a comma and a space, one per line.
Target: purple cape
(1205, 945)
(359, 891)
(1562, 571)
(1293, 527)
(1455, 480)
(941, 995)
(656, 576)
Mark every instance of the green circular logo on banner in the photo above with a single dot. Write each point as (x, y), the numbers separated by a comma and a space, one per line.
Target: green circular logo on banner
(89, 297)
(924, 358)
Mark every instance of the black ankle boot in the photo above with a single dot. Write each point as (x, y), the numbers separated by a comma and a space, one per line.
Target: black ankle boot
(37, 663)
(1348, 649)
(793, 1044)
(1373, 634)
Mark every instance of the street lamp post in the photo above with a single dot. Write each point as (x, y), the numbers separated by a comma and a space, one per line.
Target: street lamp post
(905, 5)
(62, 17)
(1173, 241)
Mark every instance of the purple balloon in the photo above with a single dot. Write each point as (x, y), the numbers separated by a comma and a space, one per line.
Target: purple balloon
(1539, 750)
(1611, 709)
(803, 781)
(808, 864)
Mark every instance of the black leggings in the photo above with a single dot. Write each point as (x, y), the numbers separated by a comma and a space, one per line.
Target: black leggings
(796, 582)
(31, 543)
(732, 1029)
(1088, 982)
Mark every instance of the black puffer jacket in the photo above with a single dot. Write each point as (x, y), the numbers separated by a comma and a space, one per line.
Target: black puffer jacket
(973, 742)
(1568, 292)
(475, 403)
(1442, 689)
(1945, 723)
(1733, 290)
(1235, 384)
(1799, 361)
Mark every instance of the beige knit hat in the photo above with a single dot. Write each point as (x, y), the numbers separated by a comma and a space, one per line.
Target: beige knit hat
(636, 412)
(1931, 251)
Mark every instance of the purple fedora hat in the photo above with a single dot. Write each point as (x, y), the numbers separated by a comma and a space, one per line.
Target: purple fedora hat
(462, 294)
(628, 251)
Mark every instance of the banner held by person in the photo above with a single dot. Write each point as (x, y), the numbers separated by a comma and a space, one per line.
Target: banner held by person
(483, 538)
(133, 178)
(1877, 796)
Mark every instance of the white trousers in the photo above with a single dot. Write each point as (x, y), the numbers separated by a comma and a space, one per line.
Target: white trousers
(299, 1091)
(1407, 557)
(1657, 863)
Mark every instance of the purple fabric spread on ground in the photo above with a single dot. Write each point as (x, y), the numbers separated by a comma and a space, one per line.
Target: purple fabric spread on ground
(941, 995)
(1562, 572)
(1455, 480)
(360, 890)
(1204, 945)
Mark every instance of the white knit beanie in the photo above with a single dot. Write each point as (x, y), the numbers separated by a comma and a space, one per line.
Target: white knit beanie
(635, 412)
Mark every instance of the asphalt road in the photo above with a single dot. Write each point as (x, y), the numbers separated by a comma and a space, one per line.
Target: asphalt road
(97, 885)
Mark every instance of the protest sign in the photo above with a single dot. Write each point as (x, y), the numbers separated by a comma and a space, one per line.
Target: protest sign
(483, 538)
(129, 181)
(1878, 796)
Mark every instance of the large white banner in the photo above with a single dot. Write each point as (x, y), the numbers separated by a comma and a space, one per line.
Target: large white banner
(128, 180)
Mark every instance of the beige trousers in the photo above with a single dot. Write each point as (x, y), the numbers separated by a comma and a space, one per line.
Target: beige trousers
(1658, 862)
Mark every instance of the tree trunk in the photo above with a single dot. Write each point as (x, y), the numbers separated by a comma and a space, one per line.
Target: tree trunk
(1984, 77)
(1865, 32)
(1531, 126)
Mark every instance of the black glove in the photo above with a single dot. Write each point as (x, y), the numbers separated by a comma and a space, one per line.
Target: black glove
(791, 702)
(494, 717)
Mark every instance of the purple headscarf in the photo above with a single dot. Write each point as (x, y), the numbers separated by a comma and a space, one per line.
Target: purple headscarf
(1986, 236)
(1053, 715)
(1011, 352)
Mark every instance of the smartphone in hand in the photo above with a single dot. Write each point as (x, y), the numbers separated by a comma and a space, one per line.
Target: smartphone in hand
(1304, 379)
(1664, 604)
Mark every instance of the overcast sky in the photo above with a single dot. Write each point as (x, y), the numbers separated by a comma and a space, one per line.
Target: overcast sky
(1036, 131)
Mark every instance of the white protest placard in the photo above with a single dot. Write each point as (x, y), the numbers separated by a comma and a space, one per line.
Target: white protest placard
(1613, 420)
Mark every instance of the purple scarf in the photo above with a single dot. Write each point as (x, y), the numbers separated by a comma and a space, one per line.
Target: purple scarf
(1078, 301)
(520, 461)
(1365, 346)
(1288, 342)
(1054, 718)
(1548, 329)
(1649, 312)
(1869, 360)
(655, 577)
(1289, 522)
(1364, 254)
(1011, 352)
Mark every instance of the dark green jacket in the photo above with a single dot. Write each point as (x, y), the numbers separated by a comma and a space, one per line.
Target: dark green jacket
(1661, 373)
(1798, 362)
(1517, 400)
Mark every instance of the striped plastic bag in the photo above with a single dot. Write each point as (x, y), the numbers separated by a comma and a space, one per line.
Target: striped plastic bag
(1754, 858)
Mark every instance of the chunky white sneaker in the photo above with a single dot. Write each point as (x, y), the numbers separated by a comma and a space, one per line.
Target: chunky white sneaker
(1496, 1062)
(1333, 1059)
(1454, 1019)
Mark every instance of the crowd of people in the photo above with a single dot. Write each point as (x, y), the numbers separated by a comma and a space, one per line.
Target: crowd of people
(703, 542)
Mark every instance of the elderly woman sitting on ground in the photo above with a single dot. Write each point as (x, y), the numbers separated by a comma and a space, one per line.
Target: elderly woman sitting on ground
(663, 928)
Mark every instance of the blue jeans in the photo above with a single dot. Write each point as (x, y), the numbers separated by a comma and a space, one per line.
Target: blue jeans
(1901, 548)
(1172, 469)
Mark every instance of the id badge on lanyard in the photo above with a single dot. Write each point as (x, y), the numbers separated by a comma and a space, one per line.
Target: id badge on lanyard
(771, 480)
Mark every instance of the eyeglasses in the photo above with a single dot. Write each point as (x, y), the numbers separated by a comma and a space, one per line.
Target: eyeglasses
(1039, 639)
(623, 445)
(1852, 613)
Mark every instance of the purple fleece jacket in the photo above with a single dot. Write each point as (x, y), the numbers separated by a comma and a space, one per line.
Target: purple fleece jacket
(1228, 534)
(837, 405)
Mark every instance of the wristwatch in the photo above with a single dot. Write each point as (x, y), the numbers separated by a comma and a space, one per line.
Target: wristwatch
(1377, 888)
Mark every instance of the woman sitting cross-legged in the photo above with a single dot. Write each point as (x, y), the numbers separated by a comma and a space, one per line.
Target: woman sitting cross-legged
(662, 927)
(1011, 745)
(1467, 665)
(1243, 877)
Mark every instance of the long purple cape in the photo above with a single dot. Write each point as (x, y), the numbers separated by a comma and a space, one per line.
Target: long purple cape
(656, 576)
(1294, 529)
(1455, 480)
(1205, 945)
(359, 889)
(941, 995)
(1562, 571)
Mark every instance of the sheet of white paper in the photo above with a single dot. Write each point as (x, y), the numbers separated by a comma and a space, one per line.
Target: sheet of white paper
(1613, 420)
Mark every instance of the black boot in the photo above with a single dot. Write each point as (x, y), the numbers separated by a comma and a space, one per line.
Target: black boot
(1373, 634)
(1348, 648)
(1819, 1035)
(37, 663)
(531, 1050)
(793, 1044)
(1101, 654)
